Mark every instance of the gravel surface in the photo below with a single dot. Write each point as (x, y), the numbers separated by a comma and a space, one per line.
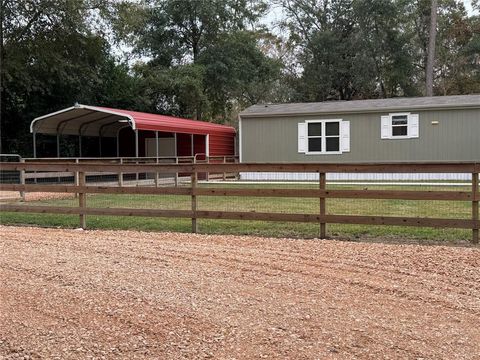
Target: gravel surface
(124, 294)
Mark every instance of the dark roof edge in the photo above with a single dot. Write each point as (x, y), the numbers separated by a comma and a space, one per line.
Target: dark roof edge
(376, 110)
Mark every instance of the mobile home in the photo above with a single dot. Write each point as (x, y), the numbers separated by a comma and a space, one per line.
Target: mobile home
(426, 129)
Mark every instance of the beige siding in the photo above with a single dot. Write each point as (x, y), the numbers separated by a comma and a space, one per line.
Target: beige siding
(456, 137)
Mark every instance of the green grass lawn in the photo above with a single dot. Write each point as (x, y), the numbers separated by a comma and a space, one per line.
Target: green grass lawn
(439, 209)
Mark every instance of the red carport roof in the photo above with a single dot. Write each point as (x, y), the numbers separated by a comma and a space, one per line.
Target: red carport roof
(103, 121)
(155, 122)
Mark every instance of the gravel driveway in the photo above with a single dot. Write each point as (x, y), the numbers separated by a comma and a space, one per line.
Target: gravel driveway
(124, 294)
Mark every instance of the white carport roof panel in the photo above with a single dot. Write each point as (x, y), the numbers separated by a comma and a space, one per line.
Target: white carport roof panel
(81, 120)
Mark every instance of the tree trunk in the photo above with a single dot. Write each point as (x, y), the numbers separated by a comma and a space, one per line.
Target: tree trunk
(1, 71)
(431, 49)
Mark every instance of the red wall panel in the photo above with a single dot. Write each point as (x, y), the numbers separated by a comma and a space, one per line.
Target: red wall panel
(222, 144)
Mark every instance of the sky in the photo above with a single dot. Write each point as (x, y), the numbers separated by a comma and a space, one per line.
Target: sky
(468, 6)
(275, 13)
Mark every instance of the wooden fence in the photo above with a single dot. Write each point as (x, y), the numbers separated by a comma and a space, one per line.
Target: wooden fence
(80, 187)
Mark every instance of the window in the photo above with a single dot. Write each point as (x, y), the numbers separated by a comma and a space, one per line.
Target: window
(315, 137)
(318, 137)
(323, 136)
(399, 126)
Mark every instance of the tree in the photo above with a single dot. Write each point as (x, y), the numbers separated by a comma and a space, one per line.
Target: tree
(378, 48)
(237, 74)
(382, 38)
(203, 55)
(177, 90)
(325, 36)
(431, 48)
(51, 58)
(209, 59)
(454, 65)
(173, 32)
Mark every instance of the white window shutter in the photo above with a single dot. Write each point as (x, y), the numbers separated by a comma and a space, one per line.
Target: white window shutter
(413, 126)
(302, 138)
(386, 132)
(345, 136)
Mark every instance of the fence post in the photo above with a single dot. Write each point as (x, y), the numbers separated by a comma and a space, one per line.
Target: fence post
(194, 201)
(323, 225)
(22, 180)
(475, 216)
(82, 199)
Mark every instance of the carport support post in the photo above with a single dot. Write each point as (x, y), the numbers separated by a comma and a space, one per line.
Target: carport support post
(176, 158)
(323, 225)
(22, 180)
(176, 173)
(136, 143)
(191, 145)
(76, 178)
(35, 151)
(136, 153)
(118, 143)
(194, 201)
(120, 175)
(82, 200)
(34, 144)
(475, 217)
(58, 145)
(156, 152)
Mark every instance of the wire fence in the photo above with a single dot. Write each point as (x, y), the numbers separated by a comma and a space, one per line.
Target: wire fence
(211, 196)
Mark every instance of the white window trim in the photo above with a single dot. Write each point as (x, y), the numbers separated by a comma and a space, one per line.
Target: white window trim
(408, 136)
(324, 142)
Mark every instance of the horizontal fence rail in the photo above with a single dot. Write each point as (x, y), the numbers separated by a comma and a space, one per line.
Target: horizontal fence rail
(458, 167)
(84, 171)
(306, 193)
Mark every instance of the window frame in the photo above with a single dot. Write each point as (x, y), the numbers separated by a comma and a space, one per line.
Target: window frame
(394, 137)
(324, 137)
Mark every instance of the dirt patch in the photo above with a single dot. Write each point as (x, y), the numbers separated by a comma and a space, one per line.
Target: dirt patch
(33, 196)
(126, 294)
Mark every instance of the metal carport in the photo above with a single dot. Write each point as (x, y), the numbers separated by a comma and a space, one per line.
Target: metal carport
(94, 121)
